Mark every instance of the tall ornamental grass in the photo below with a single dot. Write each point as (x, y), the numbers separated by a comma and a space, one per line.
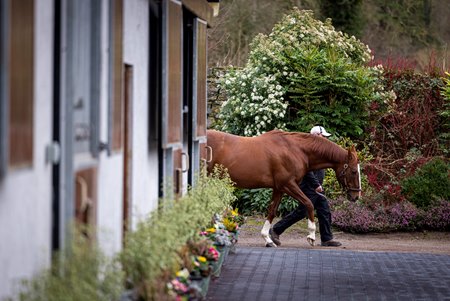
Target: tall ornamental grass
(80, 272)
(152, 250)
(150, 256)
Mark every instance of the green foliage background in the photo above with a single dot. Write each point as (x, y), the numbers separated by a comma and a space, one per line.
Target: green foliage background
(323, 73)
(429, 183)
(445, 113)
(396, 113)
(406, 28)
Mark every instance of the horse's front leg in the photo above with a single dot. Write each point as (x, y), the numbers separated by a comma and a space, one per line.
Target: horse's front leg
(311, 237)
(294, 191)
(276, 199)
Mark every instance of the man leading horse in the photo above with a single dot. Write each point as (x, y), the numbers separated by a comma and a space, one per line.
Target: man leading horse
(279, 160)
(311, 185)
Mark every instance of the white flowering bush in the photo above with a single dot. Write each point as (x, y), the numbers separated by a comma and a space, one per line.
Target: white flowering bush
(323, 74)
(255, 104)
(300, 31)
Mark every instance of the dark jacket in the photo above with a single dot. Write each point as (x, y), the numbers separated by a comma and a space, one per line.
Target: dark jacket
(312, 180)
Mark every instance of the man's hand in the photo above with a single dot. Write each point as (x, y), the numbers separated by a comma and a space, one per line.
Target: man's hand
(319, 189)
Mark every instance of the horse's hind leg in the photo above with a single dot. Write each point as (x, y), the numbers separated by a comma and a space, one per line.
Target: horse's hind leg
(276, 199)
(294, 191)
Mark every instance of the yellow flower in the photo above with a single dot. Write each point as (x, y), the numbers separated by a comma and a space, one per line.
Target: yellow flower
(201, 258)
(183, 273)
(211, 230)
(230, 225)
(234, 213)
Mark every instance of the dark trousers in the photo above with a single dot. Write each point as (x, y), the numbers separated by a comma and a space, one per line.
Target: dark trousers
(323, 213)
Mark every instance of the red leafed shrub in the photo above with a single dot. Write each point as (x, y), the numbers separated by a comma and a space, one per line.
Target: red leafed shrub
(385, 175)
(408, 130)
(413, 119)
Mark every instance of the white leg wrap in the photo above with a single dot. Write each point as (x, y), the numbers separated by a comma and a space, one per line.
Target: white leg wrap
(265, 232)
(312, 233)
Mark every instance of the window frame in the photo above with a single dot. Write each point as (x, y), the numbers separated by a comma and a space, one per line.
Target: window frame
(172, 82)
(89, 120)
(115, 77)
(200, 77)
(95, 72)
(20, 84)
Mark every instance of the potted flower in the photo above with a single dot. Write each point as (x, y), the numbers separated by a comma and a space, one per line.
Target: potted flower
(232, 220)
(182, 287)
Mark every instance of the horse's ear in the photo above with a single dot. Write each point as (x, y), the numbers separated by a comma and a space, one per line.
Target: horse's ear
(351, 153)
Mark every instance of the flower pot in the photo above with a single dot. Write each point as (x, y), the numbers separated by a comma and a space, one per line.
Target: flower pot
(223, 250)
(203, 285)
(234, 241)
(128, 295)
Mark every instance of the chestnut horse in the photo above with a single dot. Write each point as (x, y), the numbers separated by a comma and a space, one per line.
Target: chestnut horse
(279, 160)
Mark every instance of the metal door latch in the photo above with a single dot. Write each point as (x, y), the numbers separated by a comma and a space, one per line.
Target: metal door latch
(53, 153)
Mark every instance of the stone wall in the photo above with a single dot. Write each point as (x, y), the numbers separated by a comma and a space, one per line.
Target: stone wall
(216, 95)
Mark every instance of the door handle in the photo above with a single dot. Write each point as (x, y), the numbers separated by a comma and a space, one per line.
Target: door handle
(186, 161)
(209, 153)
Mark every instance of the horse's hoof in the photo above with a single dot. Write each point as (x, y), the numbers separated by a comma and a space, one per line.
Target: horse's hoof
(271, 245)
(311, 241)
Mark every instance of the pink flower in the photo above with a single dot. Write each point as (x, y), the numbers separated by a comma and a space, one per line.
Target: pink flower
(179, 286)
(214, 253)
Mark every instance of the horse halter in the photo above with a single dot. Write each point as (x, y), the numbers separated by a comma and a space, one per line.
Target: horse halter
(345, 184)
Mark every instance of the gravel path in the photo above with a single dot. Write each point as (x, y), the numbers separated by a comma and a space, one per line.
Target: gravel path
(295, 237)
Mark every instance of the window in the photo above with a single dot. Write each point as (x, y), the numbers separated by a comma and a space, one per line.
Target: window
(173, 76)
(84, 73)
(20, 82)
(200, 78)
(154, 75)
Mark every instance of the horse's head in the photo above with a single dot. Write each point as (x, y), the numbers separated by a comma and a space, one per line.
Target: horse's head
(348, 175)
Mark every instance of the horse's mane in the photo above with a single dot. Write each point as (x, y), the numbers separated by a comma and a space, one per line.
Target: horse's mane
(316, 144)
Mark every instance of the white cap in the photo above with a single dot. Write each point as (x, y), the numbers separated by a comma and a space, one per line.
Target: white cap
(319, 130)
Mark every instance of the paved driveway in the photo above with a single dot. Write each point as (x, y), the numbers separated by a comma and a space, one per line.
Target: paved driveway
(298, 274)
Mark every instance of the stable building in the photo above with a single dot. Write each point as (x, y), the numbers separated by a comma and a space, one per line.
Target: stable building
(102, 114)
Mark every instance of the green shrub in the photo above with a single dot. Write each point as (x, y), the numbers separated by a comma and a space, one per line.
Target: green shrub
(304, 65)
(257, 201)
(255, 103)
(82, 272)
(287, 205)
(446, 89)
(430, 182)
(152, 249)
(253, 201)
(445, 114)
